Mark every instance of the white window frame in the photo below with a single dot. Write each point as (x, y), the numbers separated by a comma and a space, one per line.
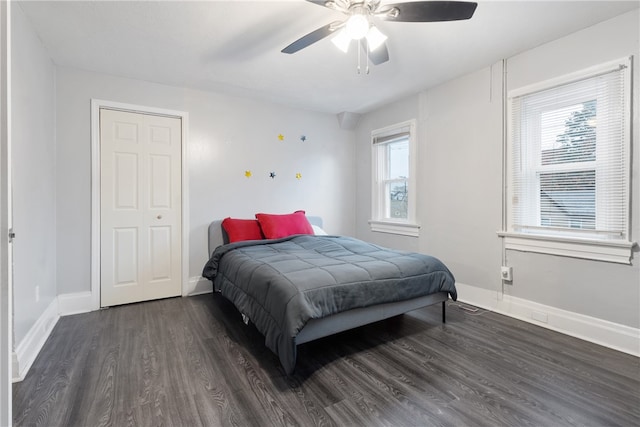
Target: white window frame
(379, 221)
(561, 243)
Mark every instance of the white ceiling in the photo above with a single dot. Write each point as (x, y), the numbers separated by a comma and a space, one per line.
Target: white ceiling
(234, 46)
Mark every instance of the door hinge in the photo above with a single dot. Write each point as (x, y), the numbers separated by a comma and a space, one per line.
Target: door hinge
(12, 235)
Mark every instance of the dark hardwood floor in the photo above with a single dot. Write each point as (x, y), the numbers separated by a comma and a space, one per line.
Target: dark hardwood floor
(192, 362)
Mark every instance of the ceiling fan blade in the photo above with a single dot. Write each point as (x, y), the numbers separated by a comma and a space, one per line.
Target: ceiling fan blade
(427, 11)
(378, 56)
(313, 37)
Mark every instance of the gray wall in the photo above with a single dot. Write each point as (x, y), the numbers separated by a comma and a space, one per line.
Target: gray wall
(460, 179)
(34, 172)
(462, 175)
(226, 136)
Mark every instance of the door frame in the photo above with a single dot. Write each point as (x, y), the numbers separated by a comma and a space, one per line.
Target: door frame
(96, 105)
(6, 281)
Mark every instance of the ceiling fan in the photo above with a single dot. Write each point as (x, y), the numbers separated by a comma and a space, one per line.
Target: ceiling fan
(360, 23)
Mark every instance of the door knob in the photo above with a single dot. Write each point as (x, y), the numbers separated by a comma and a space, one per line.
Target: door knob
(159, 217)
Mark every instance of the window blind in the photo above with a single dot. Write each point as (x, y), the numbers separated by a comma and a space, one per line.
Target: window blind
(398, 134)
(570, 158)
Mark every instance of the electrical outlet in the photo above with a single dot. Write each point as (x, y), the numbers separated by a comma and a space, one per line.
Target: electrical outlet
(37, 293)
(506, 273)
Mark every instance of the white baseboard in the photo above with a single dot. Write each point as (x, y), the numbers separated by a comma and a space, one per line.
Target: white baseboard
(27, 350)
(82, 302)
(199, 285)
(15, 368)
(75, 303)
(613, 335)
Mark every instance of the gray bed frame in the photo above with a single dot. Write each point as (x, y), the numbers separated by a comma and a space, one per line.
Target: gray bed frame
(318, 328)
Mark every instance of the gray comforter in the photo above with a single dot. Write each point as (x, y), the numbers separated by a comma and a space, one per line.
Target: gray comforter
(281, 284)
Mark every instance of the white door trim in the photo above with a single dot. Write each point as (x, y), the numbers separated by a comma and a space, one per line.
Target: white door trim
(6, 285)
(96, 104)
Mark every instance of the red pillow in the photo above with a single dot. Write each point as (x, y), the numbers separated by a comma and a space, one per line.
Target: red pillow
(277, 226)
(242, 229)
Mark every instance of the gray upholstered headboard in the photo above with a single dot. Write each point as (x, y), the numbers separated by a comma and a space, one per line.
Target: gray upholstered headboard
(217, 236)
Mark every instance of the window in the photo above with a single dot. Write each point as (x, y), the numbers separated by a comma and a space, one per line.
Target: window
(569, 165)
(393, 207)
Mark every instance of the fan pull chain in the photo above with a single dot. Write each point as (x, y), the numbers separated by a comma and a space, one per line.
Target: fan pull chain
(359, 48)
(367, 69)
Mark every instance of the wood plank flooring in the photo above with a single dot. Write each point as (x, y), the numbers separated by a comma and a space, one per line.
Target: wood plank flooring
(192, 362)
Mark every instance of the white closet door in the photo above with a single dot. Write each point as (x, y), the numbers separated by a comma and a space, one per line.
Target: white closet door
(140, 212)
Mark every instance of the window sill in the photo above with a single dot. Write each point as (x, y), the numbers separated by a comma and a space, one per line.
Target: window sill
(402, 228)
(598, 250)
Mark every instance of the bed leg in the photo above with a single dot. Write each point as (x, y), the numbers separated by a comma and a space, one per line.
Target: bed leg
(444, 312)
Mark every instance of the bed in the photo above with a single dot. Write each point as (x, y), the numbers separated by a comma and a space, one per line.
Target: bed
(302, 287)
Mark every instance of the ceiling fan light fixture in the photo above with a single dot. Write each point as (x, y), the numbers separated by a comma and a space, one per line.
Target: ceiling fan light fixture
(357, 26)
(342, 40)
(375, 38)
